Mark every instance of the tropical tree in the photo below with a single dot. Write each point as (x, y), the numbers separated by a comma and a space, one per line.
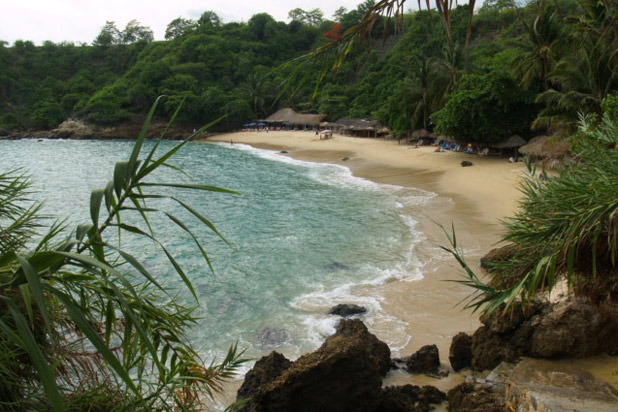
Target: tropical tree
(83, 324)
(485, 108)
(541, 55)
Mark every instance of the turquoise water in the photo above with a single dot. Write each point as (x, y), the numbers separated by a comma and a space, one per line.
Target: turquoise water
(304, 235)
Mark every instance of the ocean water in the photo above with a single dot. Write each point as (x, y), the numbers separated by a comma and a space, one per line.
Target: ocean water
(304, 236)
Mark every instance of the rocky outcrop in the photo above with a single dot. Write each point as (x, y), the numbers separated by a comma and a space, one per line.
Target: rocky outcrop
(344, 374)
(460, 352)
(570, 328)
(425, 360)
(81, 129)
(264, 371)
(347, 309)
(475, 397)
(410, 398)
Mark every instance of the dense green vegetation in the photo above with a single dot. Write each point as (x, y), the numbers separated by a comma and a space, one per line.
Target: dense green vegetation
(526, 67)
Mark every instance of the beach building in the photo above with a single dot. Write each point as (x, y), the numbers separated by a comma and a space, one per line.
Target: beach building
(360, 127)
(288, 118)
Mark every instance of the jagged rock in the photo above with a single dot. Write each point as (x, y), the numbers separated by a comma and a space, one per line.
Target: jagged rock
(577, 330)
(474, 397)
(347, 309)
(271, 338)
(264, 371)
(283, 152)
(569, 328)
(4, 132)
(466, 163)
(425, 360)
(542, 385)
(460, 352)
(343, 375)
(345, 159)
(409, 398)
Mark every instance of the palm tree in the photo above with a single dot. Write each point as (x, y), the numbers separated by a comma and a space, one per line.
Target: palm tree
(541, 56)
(582, 80)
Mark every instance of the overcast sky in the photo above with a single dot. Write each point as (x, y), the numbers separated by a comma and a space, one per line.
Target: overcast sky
(81, 20)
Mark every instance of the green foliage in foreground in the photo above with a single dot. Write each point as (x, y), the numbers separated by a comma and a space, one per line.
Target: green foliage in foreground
(567, 229)
(83, 324)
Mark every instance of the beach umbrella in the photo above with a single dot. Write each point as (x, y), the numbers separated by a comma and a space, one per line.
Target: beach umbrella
(261, 124)
(510, 143)
(252, 124)
(421, 133)
(246, 125)
(546, 146)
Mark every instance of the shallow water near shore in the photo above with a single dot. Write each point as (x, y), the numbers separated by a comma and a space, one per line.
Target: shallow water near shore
(307, 236)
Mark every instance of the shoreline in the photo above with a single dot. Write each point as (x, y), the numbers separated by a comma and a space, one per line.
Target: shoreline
(472, 198)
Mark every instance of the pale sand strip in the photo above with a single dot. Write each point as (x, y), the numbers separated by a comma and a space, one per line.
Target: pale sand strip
(473, 198)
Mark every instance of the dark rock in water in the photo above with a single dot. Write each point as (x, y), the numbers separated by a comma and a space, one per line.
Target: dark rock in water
(264, 371)
(271, 338)
(472, 397)
(466, 163)
(409, 398)
(345, 159)
(337, 266)
(343, 375)
(425, 360)
(283, 152)
(460, 352)
(347, 309)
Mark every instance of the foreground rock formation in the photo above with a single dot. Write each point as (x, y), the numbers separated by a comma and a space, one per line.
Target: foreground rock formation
(344, 374)
(571, 328)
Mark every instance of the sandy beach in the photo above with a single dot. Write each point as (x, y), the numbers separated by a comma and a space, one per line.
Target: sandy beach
(474, 199)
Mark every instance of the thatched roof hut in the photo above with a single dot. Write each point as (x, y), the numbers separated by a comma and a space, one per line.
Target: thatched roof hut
(421, 134)
(509, 143)
(358, 127)
(546, 147)
(289, 117)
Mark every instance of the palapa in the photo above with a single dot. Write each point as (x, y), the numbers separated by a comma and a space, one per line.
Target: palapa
(509, 143)
(289, 116)
(546, 147)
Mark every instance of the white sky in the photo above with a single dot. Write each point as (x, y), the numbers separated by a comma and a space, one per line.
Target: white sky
(81, 20)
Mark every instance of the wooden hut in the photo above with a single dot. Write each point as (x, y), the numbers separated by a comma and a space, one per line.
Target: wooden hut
(511, 143)
(289, 118)
(358, 127)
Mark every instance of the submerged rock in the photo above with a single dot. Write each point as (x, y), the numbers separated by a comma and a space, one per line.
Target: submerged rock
(337, 266)
(271, 337)
(343, 375)
(347, 309)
